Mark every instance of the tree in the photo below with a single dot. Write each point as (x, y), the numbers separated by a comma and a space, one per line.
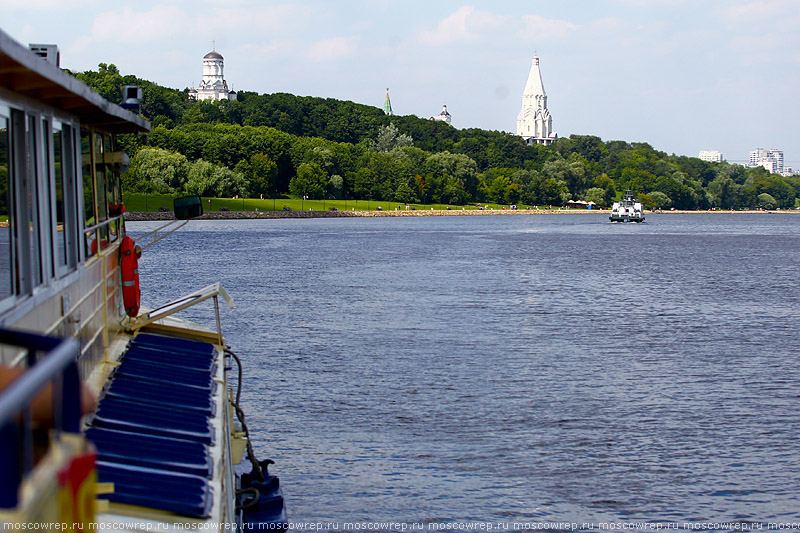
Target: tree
(596, 195)
(405, 193)
(389, 138)
(335, 186)
(445, 165)
(498, 189)
(262, 174)
(229, 184)
(573, 172)
(153, 170)
(724, 192)
(766, 201)
(660, 200)
(201, 179)
(310, 181)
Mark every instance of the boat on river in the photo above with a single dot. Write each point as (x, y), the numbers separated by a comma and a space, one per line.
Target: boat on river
(112, 415)
(628, 209)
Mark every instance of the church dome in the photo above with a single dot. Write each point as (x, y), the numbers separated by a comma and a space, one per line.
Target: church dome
(213, 55)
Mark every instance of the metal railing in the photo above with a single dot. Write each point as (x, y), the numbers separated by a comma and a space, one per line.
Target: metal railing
(57, 369)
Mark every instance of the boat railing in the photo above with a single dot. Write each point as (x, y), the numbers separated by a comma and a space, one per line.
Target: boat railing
(99, 225)
(160, 233)
(213, 291)
(95, 233)
(56, 369)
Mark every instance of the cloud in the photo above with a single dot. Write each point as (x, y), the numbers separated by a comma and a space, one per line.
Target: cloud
(45, 6)
(165, 22)
(468, 24)
(764, 32)
(333, 49)
(128, 26)
(259, 20)
(451, 30)
(759, 9)
(543, 29)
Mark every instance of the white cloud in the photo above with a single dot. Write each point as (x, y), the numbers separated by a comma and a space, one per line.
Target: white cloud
(333, 49)
(468, 25)
(759, 9)
(543, 29)
(451, 30)
(164, 22)
(260, 19)
(128, 26)
(46, 6)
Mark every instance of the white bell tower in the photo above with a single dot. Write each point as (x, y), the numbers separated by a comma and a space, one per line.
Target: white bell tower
(534, 123)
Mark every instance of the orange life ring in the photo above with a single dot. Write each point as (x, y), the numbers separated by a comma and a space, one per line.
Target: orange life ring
(129, 270)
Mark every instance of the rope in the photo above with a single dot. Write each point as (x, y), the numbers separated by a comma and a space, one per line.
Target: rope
(240, 415)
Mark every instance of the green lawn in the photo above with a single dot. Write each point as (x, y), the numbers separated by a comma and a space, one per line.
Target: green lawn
(136, 202)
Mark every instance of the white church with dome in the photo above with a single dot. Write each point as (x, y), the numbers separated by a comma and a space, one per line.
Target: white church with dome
(213, 86)
(534, 123)
(444, 116)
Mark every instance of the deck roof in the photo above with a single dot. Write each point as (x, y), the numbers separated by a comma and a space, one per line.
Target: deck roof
(25, 73)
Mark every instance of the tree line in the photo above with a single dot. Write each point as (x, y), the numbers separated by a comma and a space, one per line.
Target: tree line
(276, 144)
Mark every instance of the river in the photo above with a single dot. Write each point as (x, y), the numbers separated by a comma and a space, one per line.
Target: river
(511, 369)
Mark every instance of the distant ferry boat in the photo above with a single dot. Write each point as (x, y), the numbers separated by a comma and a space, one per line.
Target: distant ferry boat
(629, 209)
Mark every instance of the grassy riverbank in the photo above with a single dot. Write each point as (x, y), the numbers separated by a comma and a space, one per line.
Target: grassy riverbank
(148, 203)
(275, 208)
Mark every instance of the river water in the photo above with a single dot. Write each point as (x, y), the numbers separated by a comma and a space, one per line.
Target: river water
(511, 369)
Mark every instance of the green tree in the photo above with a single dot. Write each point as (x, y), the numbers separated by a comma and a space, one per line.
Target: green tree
(660, 200)
(596, 195)
(405, 193)
(263, 175)
(153, 170)
(767, 201)
(444, 165)
(310, 181)
(201, 179)
(389, 138)
(229, 184)
(573, 172)
(724, 192)
(498, 189)
(335, 186)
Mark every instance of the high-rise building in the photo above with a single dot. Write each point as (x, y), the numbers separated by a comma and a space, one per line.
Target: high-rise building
(712, 156)
(213, 86)
(772, 159)
(534, 123)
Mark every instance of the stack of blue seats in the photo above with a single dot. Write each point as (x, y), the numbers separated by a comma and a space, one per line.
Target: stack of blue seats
(153, 427)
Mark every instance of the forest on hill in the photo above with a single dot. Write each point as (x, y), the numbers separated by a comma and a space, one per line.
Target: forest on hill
(267, 145)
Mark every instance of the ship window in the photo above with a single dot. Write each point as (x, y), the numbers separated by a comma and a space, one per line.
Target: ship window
(112, 188)
(88, 193)
(48, 267)
(6, 282)
(63, 225)
(31, 199)
(100, 189)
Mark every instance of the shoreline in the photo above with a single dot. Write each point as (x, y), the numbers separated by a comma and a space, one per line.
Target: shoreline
(246, 215)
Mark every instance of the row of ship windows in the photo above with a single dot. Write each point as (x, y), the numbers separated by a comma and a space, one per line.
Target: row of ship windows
(50, 219)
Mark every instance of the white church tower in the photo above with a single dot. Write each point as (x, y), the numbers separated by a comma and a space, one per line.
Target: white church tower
(534, 123)
(213, 86)
(444, 116)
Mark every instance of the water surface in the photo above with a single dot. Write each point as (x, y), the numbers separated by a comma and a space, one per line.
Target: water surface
(512, 368)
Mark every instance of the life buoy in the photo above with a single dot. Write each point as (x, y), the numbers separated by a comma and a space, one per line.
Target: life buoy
(129, 271)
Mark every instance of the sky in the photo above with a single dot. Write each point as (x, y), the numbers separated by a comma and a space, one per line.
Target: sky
(682, 75)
